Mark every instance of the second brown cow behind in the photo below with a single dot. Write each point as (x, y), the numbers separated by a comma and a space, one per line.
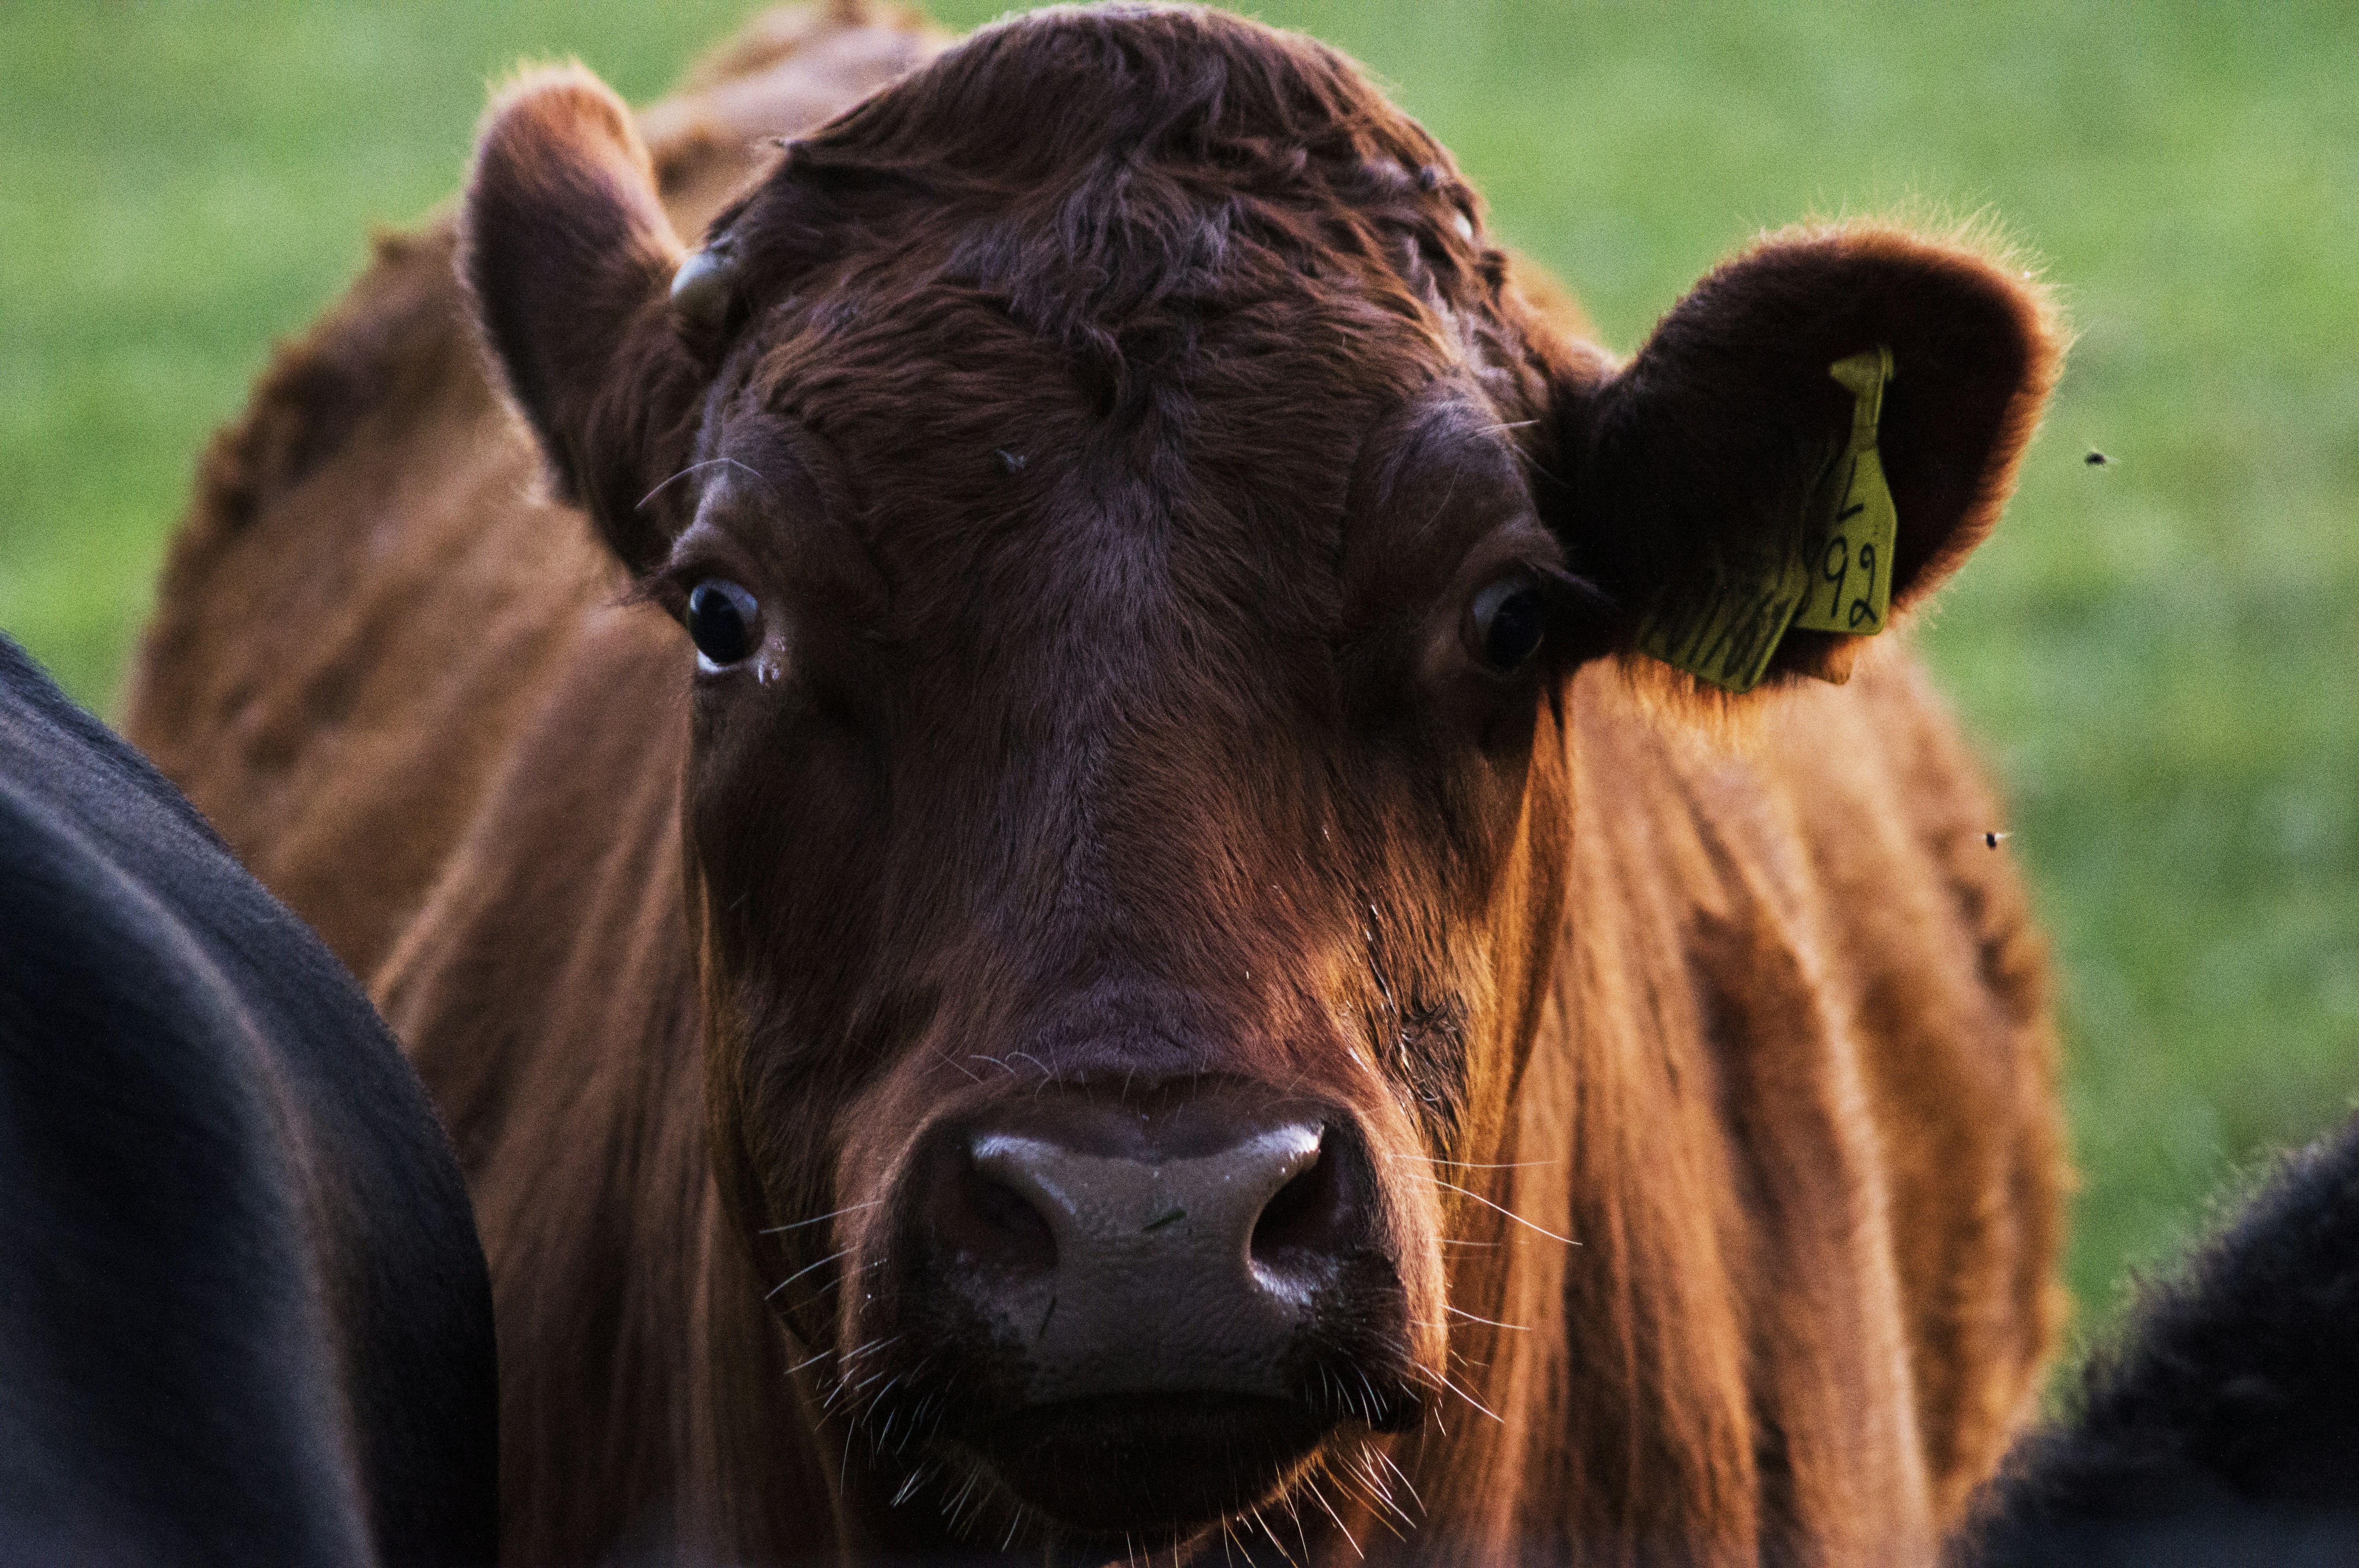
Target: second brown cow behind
(1049, 900)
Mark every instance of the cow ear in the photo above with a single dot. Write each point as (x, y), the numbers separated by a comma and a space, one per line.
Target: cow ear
(1810, 442)
(569, 261)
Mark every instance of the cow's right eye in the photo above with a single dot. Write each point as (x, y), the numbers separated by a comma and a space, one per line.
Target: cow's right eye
(721, 621)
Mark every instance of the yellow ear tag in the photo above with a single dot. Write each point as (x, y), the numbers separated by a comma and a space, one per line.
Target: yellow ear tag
(1725, 627)
(1850, 528)
(1833, 575)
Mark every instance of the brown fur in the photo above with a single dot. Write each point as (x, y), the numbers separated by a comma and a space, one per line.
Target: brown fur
(1139, 449)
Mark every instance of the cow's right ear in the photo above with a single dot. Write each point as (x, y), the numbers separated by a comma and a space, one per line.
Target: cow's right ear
(1809, 443)
(569, 262)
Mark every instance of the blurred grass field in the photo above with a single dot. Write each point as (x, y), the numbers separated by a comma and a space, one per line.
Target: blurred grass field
(2158, 655)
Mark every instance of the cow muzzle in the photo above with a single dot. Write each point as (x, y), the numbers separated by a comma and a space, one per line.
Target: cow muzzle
(1158, 1308)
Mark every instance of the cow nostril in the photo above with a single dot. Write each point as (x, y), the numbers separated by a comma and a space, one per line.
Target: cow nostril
(1006, 1209)
(1300, 1216)
(993, 1226)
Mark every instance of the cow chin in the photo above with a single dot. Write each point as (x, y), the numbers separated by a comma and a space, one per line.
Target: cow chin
(1142, 1466)
(1144, 1469)
(1091, 1461)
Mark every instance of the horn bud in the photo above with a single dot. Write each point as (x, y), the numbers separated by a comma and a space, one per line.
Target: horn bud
(704, 287)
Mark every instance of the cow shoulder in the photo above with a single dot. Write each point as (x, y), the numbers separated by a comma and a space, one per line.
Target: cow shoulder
(1811, 900)
(1943, 981)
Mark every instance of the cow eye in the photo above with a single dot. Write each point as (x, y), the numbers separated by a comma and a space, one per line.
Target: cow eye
(1508, 621)
(721, 619)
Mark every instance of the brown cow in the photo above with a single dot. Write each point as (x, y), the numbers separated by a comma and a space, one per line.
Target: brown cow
(1067, 922)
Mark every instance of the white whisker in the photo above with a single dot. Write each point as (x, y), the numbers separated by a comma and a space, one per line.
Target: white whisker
(1405, 1481)
(1310, 1485)
(690, 469)
(790, 1279)
(823, 1219)
(1494, 1323)
(1470, 1398)
(1511, 1213)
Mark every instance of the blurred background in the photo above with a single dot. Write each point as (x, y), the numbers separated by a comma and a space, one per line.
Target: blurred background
(2160, 653)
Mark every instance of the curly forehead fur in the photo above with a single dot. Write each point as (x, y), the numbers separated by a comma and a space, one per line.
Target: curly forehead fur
(1132, 185)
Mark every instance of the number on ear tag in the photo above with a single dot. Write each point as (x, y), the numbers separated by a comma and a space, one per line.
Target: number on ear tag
(1851, 526)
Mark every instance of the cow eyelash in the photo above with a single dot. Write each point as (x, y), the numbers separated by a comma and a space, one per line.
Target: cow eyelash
(662, 589)
(670, 585)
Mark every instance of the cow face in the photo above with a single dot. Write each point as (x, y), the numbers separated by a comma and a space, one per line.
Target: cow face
(1133, 542)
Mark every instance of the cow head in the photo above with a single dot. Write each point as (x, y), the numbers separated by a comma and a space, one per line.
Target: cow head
(1136, 542)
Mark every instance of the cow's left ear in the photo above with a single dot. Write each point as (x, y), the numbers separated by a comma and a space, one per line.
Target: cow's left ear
(1810, 442)
(578, 287)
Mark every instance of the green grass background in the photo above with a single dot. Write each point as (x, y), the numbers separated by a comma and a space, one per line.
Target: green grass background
(2160, 653)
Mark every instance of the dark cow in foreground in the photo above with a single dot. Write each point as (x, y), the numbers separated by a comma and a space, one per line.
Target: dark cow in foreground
(2222, 1426)
(1050, 900)
(244, 1316)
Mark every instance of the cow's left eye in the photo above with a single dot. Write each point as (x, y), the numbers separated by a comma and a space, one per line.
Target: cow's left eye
(1508, 621)
(721, 621)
